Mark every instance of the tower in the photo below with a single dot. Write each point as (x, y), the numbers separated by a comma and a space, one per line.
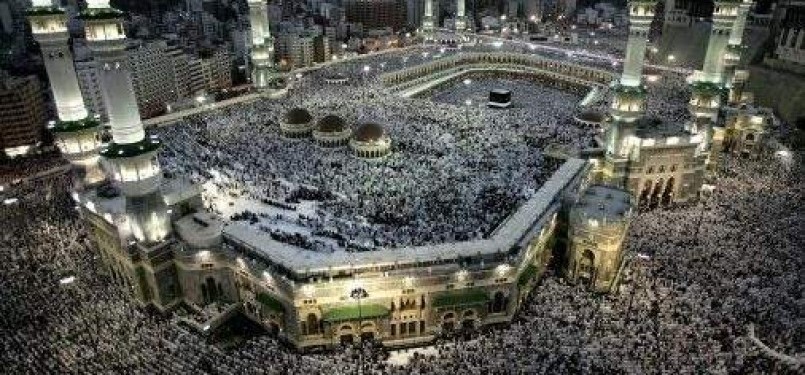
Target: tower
(725, 13)
(597, 227)
(131, 157)
(629, 99)
(708, 84)
(461, 17)
(262, 55)
(734, 63)
(428, 23)
(75, 131)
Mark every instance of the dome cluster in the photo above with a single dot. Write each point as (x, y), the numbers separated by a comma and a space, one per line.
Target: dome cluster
(368, 141)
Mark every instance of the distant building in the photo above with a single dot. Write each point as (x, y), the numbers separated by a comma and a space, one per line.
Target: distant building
(790, 39)
(22, 112)
(302, 50)
(414, 10)
(154, 77)
(88, 73)
(162, 73)
(322, 49)
(375, 14)
(210, 71)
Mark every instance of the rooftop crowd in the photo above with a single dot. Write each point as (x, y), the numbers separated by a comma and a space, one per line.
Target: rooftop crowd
(454, 174)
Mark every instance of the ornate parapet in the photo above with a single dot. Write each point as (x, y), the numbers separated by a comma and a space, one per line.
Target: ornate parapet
(628, 102)
(705, 100)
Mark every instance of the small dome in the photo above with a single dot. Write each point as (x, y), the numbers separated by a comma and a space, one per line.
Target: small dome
(370, 132)
(592, 117)
(331, 124)
(298, 116)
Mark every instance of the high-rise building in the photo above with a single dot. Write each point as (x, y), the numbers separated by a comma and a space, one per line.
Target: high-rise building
(376, 14)
(88, 73)
(461, 16)
(322, 49)
(429, 19)
(210, 71)
(735, 62)
(415, 11)
(708, 84)
(22, 112)
(302, 49)
(790, 39)
(153, 76)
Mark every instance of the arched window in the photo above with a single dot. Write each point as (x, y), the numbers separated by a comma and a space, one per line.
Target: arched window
(498, 303)
(312, 324)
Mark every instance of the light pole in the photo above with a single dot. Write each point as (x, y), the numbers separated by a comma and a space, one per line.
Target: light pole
(299, 82)
(468, 104)
(366, 70)
(358, 294)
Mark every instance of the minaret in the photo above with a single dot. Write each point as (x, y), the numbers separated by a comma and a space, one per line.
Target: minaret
(131, 157)
(262, 54)
(461, 18)
(75, 131)
(724, 15)
(708, 83)
(427, 20)
(629, 99)
(735, 77)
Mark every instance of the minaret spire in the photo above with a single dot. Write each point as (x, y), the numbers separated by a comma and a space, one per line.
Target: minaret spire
(708, 84)
(262, 54)
(75, 131)
(428, 23)
(629, 101)
(461, 17)
(735, 74)
(131, 156)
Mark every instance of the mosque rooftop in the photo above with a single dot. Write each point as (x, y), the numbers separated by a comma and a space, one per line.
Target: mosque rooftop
(650, 127)
(604, 203)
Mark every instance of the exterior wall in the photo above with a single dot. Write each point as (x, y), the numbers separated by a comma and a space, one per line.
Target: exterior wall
(410, 297)
(413, 75)
(662, 175)
(744, 131)
(416, 301)
(595, 253)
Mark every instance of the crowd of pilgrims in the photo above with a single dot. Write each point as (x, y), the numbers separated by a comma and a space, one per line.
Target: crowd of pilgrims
(697, 277)
(453, 175)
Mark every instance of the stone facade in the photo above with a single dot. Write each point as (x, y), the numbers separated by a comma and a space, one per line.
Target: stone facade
(408, 300)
